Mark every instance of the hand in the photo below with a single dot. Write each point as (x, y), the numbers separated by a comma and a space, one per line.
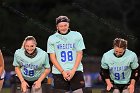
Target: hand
(131, 88)
(71, 74)
(109, 86)
(37, 84)
(65, 75)
(24, 86)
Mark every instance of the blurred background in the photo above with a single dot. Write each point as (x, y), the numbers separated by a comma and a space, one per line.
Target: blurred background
(100, 22)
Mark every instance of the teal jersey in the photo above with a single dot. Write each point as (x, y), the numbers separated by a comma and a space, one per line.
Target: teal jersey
(120, 68)
(65, 48)
(31, 68)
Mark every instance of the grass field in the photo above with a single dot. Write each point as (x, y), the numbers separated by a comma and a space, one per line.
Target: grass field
(7, 90)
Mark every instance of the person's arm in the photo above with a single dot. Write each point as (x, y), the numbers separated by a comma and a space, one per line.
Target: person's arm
(24, 84)
(80, 46)
(109, 84)
(1, 63)
(46, 66)
(132, 82)
(37, 83)
(78, 60)
(57, 65)
(51, 51)
(134, 78)
(106, 77)
(135, 74)
(18, 72)
(44, 74)
(131, 87)
(76, 65)
(55, 62)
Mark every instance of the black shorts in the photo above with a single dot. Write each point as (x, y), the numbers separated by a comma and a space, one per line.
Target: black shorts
(121, 87)
(30, 83)
(76, 82)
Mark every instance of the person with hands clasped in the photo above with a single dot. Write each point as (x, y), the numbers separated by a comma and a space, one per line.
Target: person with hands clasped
(31, 66)
(65, 49)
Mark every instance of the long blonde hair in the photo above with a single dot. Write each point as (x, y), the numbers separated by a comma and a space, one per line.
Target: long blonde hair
(28, 38)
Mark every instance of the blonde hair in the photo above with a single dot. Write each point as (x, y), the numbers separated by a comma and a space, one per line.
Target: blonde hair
(121, 43)
(28, 38)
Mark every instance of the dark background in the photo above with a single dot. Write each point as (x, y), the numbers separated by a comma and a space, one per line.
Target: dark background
(98, 21)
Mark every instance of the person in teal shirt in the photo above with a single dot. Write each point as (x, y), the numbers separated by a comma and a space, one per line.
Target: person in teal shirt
(31, 66)
(65, 49)
(119, 68)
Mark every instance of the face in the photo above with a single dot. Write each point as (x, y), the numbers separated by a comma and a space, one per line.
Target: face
(118, 51)
(63, 27)
(30, 46)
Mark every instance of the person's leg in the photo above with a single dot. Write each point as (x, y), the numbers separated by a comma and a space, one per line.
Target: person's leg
(1, 84)
(33, 90)
(68, 92)
(18, 86)
(18, 89)
(116, 91)
(28, 91)
(59, 91)
(125, 91)
(13, 88)
(46, 87)
(78, 91)
(77, 82)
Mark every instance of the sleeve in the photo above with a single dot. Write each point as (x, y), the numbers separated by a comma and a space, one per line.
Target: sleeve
(104, 65)
(46, 64)
(80, 43)
(104, 71)
(50, 46)
(134, 63)
(135, 68)
(104, 74)
(135, 74)
(15, 62)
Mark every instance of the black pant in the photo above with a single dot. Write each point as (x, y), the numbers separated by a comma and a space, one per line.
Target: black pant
(75, 83)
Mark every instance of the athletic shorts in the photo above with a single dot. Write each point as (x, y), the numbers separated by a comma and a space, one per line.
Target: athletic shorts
(121, 87)
(75, 83)
(30, 83)
(3, 75)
